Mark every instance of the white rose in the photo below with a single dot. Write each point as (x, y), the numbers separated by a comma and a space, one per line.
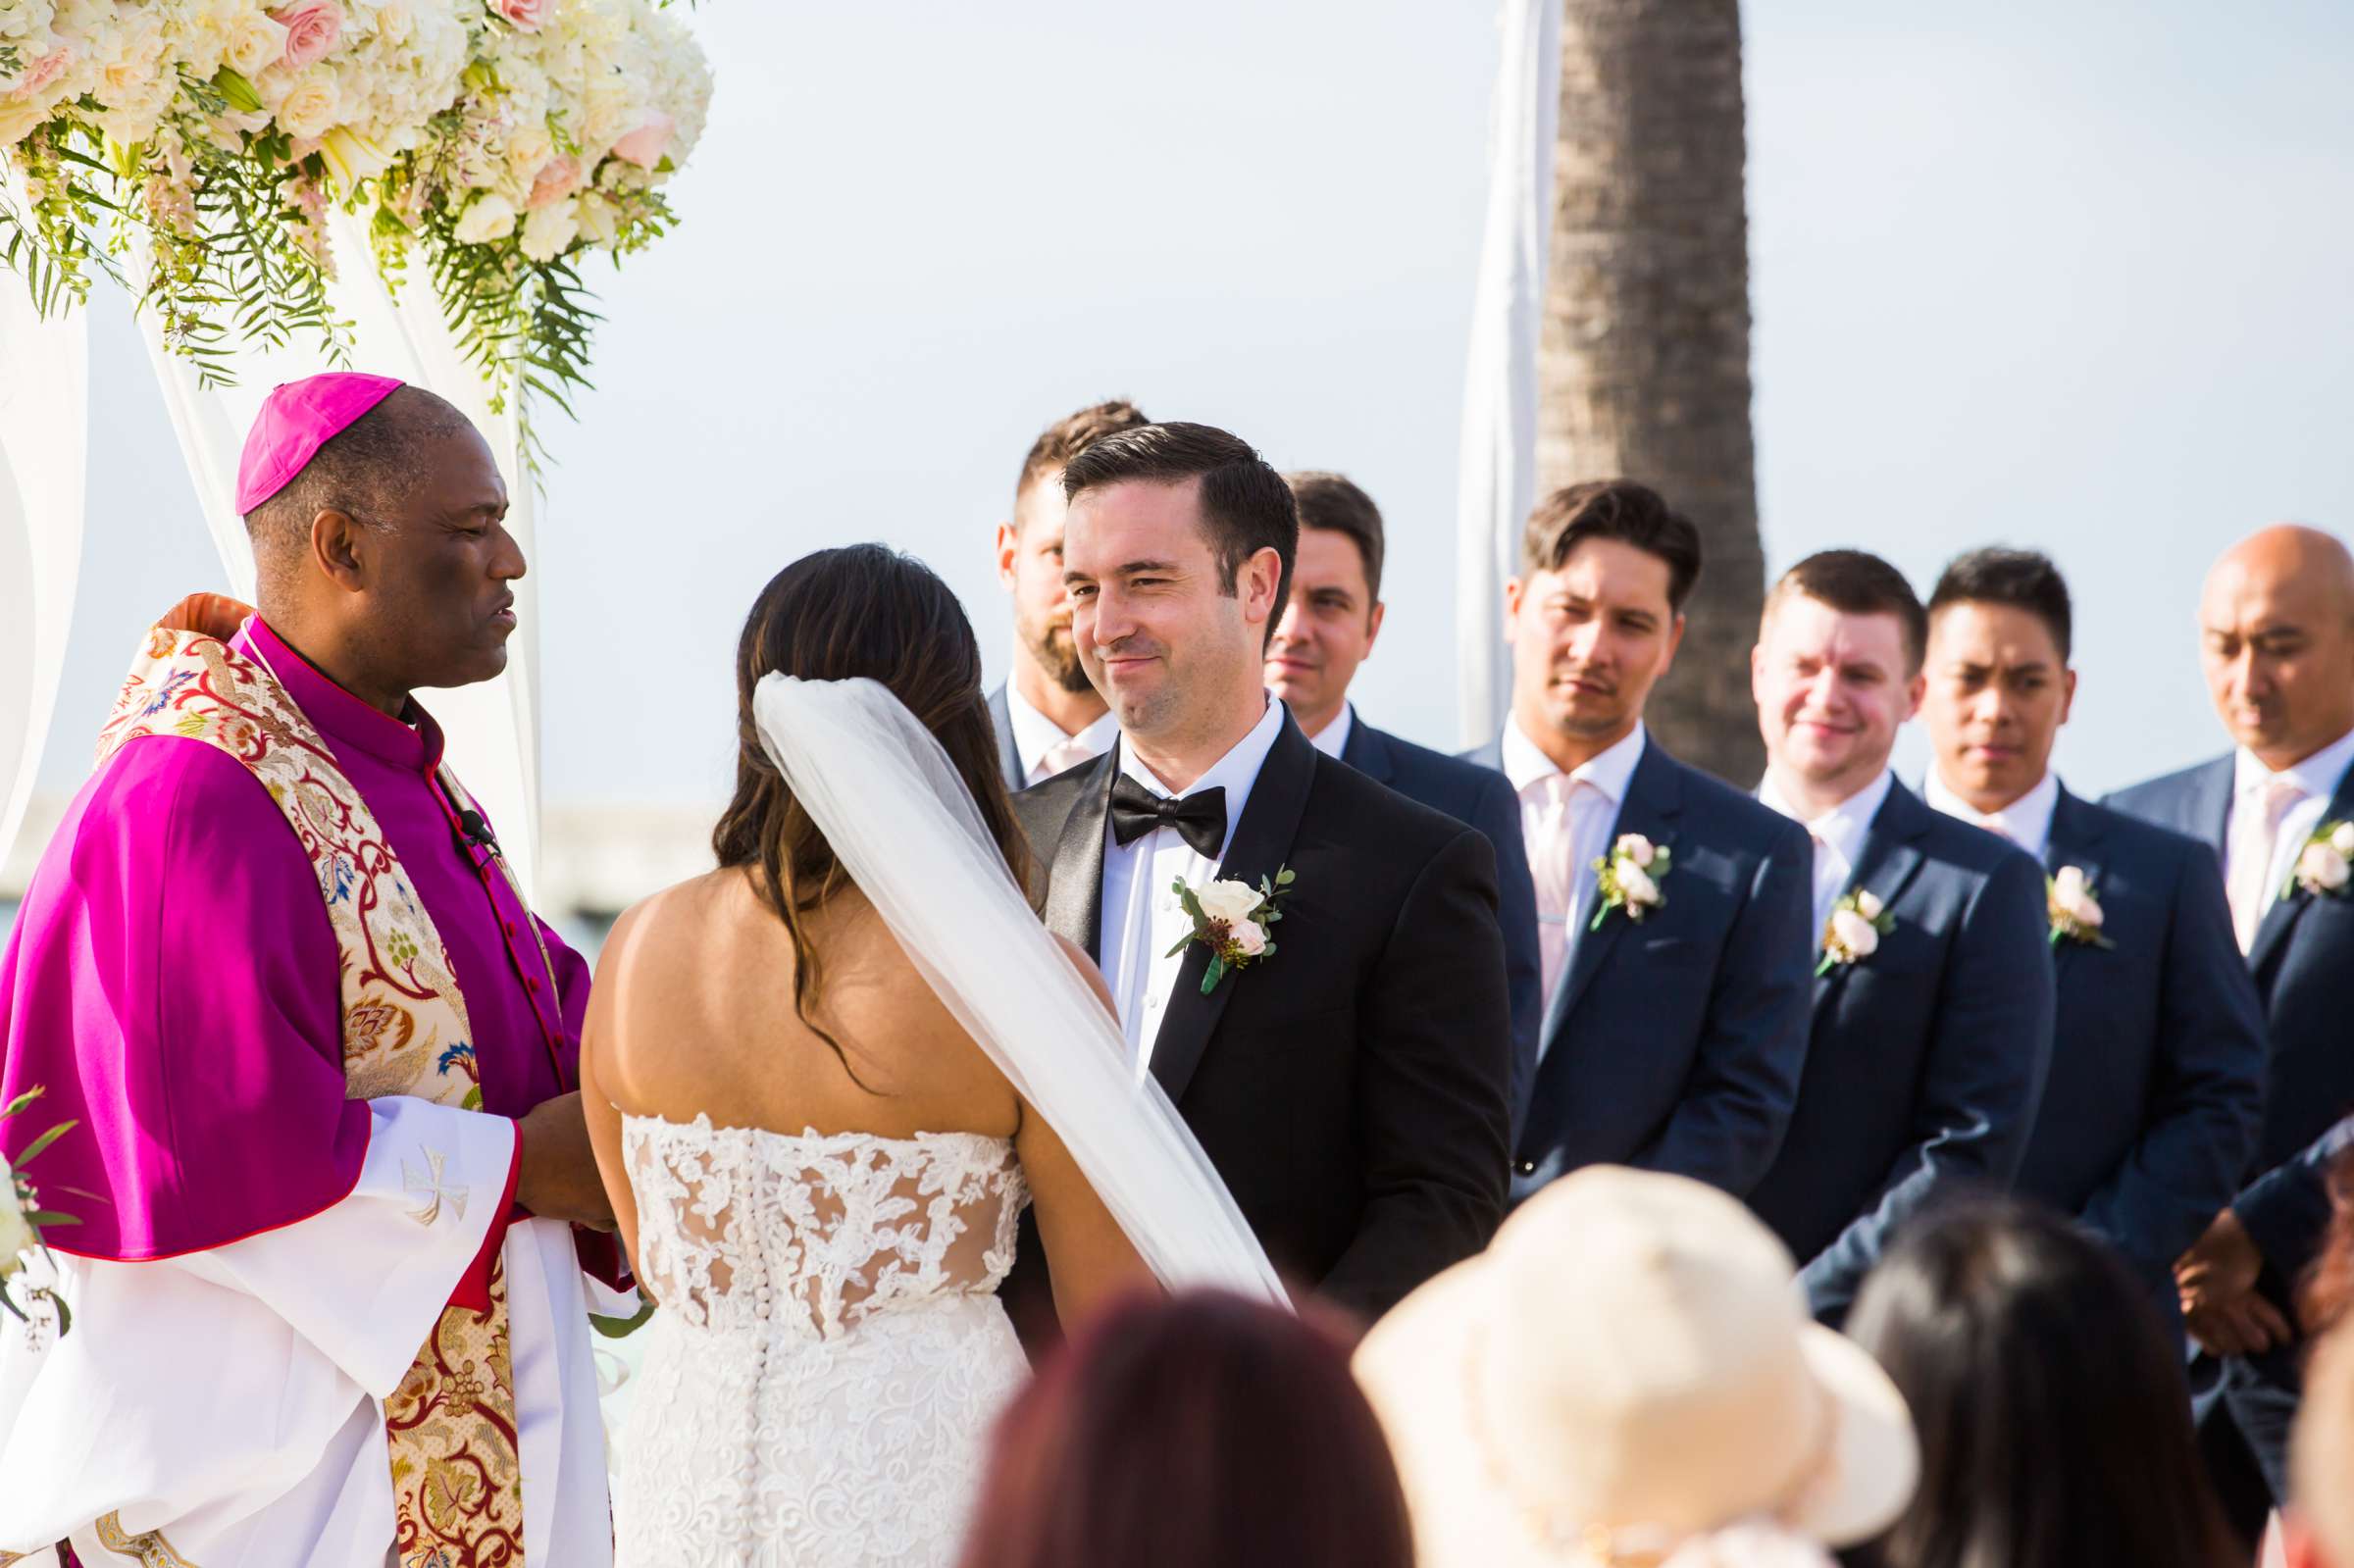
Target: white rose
(1249, 935)
(487, 217)
(1869, 905)
(15, 1233)
(1636, 883)
(2071, 894)
(2321, 866)
(528, 148)
(600, 218)
(311, 103)
(546, 230)
(1635, 847)
(255, 42)
(1232, 902)
(1856, 933)
(2342, 840)
(20, 117)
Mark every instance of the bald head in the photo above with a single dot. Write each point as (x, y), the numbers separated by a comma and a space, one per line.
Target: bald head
(2277, 639)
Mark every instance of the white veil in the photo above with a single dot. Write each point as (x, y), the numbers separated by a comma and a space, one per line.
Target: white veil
(904, 827)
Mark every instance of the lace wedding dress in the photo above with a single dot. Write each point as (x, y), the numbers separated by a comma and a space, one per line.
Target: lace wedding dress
(830, 1351)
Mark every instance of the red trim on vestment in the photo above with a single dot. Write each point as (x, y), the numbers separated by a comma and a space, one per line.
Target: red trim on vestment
(473, 1291)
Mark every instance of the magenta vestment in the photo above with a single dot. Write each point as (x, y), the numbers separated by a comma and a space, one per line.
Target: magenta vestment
(171, 981)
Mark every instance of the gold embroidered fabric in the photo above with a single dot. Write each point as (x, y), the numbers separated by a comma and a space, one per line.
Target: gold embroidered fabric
(457, 1481)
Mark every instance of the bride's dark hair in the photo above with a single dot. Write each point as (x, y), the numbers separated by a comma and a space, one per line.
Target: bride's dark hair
(860, 610)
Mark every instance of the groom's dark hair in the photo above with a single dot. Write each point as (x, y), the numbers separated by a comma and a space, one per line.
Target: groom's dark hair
(1245, 503)
(1614, 509)
(2025, 580)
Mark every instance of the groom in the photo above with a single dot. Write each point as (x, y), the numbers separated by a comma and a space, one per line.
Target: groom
(1351, 1083)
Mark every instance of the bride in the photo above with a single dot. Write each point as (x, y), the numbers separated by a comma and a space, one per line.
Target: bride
(823, 1080)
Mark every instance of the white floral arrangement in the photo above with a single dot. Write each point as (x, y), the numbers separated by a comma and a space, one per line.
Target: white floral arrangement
(2073, 908)
(22, 1218)
(1234, 921)
(2326, 864)
(1628, 877)
(1859, 920)
(501, 138)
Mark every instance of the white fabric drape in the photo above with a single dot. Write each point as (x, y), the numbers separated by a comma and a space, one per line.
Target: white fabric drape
(894, 810)
(492, 728)
(1498, 464)
(44, 428)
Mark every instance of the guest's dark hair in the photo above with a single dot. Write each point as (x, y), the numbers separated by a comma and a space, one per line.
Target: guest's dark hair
(1334, 503)
(1244, 504)
(1614, 509)
(860, 610)
(1067, 436)
(1857, 582)
(1191, 1430)
(2055, 1426)
(2025, 580)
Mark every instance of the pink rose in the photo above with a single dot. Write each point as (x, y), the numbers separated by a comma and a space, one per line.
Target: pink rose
(645, 145)
(558, 178)
(524, 16)
(313, 29)
(45, 70)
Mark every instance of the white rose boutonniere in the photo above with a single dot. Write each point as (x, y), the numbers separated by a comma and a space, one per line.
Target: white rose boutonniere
(2326, 864)
(2073, 908)
(1628, 877)
(21, 1220)
(1852, 932)
(1231, 919)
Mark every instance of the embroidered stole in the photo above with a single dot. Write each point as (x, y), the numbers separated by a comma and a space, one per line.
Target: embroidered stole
(457, 1480)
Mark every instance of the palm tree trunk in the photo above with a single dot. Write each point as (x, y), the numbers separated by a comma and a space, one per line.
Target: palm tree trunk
(1645, 356)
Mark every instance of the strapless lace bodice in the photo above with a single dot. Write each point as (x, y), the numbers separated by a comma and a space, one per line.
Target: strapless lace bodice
(738, 1227)
(830, 1351)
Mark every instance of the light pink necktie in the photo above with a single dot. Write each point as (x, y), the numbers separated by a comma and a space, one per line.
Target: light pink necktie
(1550, 861)
(2255, 835)
(1061, 757)
(1995, 825)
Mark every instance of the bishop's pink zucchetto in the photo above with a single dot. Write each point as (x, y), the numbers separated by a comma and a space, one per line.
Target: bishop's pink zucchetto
(296, 420)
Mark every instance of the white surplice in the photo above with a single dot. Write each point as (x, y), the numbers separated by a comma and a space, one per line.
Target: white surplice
(230, 1401)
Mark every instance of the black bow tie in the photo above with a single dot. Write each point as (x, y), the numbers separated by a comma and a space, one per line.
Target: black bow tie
(1200, 819)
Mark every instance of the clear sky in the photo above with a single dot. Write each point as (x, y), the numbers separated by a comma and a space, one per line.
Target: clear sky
(2076, 276)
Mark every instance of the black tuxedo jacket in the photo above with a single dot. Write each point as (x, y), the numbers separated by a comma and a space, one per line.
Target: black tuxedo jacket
(1926, 1060)
(1351, 1089)
(1482, 796)
(2301, 960)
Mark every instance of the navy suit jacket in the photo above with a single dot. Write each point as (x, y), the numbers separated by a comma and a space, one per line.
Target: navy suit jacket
(1925, 1059)
(1677, 1044)
(2157, 1080)
(1478, 798)
(2302, 956)
(1010, 760)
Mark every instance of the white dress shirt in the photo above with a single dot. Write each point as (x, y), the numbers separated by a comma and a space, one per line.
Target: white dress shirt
(1333, 739)
(1143, 918)
(1839, 835)
(2315, 781)
(2026, 822)
(1035, 735)
(1565, 820)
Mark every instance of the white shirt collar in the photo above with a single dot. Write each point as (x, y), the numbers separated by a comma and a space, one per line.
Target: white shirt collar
(1611, 771)
(1844, 825)
(1235, 773)
(1035, 734)
(2026, 822)
(1333, 739)
(2318, 775)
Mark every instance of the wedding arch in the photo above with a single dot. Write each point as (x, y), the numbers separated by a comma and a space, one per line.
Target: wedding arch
(406, 186)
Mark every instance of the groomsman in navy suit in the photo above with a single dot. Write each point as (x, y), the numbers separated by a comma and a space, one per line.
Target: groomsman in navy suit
(1675, 1015)
(1327, 630)
(2276, 637)
(1932, 1006)
(1049, 718)
(2149, 1112)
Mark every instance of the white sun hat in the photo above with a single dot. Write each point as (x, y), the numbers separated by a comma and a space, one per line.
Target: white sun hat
(1629, 1366)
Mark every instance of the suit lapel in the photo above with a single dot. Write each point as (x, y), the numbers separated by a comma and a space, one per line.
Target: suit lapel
(1261, 839)
(1009, 757)
(2281, 915)
(1655, 800)
(1368, 751)
(2074, 840)
(1075, 881)
(1889, 859)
